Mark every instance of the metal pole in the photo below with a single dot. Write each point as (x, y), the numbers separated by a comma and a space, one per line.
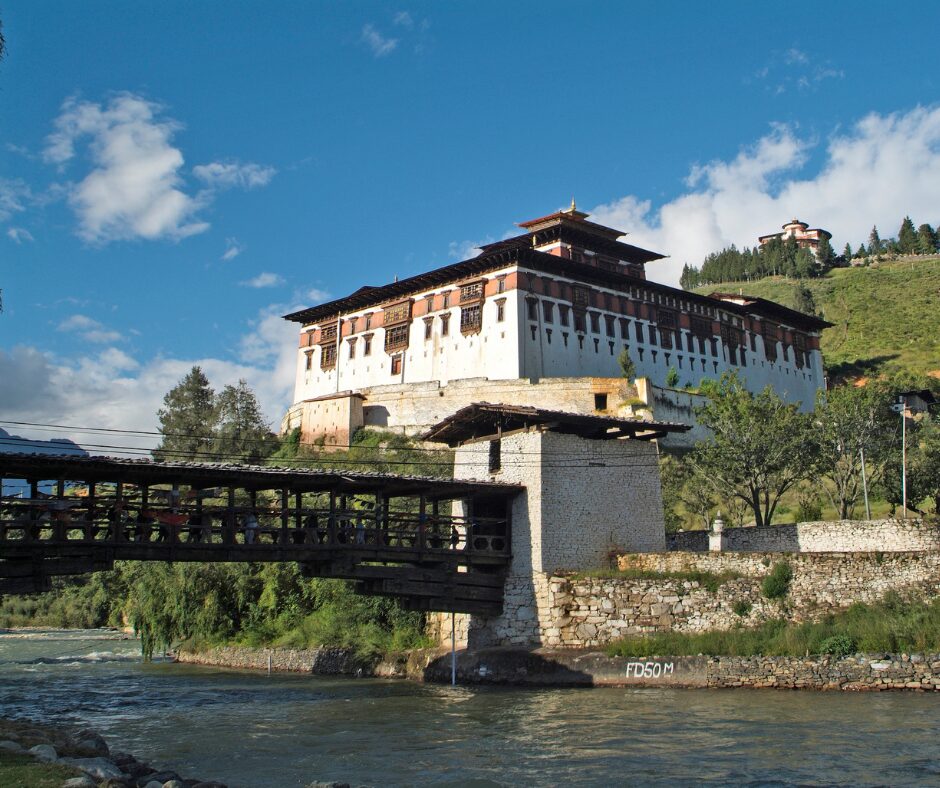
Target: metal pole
(865, 485)
(453, 650)
(269, 664)
(903, 462)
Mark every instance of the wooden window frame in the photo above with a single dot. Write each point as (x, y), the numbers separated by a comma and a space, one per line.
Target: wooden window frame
(471, 319)
(471, 291)
(396, 337)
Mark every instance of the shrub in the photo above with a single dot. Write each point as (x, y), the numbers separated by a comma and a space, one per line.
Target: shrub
(777, 583)
(808, 509)
(741, 607)
(837, 645)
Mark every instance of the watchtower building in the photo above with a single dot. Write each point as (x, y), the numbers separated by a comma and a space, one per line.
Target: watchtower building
(592, 490)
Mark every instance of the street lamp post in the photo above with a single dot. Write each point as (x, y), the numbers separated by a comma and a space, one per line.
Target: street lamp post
(900, 407)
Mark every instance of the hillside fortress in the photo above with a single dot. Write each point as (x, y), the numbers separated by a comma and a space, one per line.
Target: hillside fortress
(537, 319)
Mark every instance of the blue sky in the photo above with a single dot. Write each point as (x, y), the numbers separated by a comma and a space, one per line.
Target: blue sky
(175, 176)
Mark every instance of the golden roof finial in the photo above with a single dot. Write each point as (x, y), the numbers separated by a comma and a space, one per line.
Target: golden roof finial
(573, 207)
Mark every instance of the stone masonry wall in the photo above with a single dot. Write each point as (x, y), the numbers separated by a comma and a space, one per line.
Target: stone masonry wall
(838, 536)
(580, 612)
(414, 408)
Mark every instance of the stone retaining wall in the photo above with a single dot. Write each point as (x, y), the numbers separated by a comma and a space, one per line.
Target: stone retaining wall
(824, 536)
(860, 672)
(323, 661)
(569, 611)
(579, 667)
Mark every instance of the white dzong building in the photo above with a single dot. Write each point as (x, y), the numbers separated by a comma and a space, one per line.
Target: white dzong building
(537, 319)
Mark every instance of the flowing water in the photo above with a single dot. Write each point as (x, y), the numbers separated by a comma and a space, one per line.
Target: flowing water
(250, 729)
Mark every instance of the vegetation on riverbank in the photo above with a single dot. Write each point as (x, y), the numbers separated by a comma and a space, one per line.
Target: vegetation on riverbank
(17, 769)
(893, 625)
(216, 604)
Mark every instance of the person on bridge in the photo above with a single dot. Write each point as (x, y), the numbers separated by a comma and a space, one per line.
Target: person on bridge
(251, 527)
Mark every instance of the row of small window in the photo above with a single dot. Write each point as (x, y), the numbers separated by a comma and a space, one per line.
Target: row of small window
(613, 302)
(666, 334)
(396, 337)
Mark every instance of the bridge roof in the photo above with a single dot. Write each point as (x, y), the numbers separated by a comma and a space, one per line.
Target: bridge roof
(44, 467)
(483, 420)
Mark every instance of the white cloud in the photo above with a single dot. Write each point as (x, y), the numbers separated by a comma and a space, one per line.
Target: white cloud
(379, 44)
(794, 55)
(795, 69)
(13, 196)
(403, 19)
(232, 249)
(883, 168)
(464, 250)
(134, 189)
(265, 279)
(89, 329)
(19, 234)
(112, 389)
(221, 175)
(318, 296)
(78, 323)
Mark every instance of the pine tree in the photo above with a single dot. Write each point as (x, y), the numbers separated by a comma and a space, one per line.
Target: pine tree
(847, 252)
(804, 301)
(804, 263)
(926, 240)
(825, 257)
(242, 434)
(907, 237)
(874, 241)
(788, 261)
(861, 251)
(187, 420)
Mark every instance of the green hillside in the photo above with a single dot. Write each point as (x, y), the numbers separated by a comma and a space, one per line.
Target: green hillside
(886, 316)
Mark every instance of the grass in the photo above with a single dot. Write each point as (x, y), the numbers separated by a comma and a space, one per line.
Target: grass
(890, 626)
(881, 315)
(23, 771)
(708, 580)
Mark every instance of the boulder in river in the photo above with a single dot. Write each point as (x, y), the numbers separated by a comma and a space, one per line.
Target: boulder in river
(80, 782)
(44, 752)
(158, 777)
(92, 743)
(100, 768)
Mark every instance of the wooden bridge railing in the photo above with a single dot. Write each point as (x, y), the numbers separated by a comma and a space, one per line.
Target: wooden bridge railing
(60, 522)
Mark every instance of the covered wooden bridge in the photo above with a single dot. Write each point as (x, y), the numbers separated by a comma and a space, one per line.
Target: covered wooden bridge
(436, 544)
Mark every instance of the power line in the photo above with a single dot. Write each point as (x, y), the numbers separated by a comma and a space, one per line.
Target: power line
(572, 454)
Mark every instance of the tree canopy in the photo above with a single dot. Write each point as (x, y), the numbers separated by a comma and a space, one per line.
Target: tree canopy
(196, 423)
(760, 446)
(851, 420)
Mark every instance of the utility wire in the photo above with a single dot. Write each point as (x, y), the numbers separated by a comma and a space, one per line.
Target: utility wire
(574, 454)
(507, 461)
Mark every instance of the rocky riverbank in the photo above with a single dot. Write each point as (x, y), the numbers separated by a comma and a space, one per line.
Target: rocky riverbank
(88, 757)
(580, 667)
(33, 753)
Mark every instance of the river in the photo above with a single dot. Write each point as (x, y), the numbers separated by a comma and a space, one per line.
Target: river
(252, 730)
